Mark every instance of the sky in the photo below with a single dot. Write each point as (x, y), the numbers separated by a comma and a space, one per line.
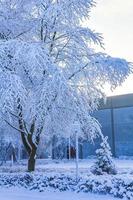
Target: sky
(114, 19)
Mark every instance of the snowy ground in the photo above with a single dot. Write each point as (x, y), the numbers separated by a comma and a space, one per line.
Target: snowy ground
(20, 194)
(124, 166)
(54, 167)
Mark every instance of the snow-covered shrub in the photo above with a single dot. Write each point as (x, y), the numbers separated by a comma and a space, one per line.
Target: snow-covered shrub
(117, 186)
(104, 163)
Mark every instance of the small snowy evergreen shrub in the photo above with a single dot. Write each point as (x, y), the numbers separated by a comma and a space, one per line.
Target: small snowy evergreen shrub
(104, 163)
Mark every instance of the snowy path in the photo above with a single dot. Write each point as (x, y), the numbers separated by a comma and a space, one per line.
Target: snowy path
(20, 194)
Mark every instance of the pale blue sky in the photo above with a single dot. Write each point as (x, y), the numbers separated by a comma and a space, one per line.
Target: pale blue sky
(114, 18)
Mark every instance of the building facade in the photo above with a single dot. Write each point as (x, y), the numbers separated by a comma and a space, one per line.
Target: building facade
(116, 119)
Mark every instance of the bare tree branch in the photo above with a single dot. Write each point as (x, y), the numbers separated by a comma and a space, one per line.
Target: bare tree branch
(17, 129)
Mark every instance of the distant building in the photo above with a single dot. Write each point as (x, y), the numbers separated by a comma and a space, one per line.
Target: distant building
(116, 118)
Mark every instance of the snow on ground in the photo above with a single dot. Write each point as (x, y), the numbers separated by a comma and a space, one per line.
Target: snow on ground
(119, 185)
(124, 166)
(22, 194)
(84, 164)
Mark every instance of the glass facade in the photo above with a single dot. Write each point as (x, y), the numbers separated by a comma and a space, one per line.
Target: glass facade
(104, 117)
(123, 128)
(117, 124)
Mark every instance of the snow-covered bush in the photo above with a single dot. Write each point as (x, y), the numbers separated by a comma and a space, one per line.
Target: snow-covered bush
(104, 162)
(118, 186)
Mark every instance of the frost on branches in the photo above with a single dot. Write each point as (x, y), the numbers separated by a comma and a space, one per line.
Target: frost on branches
(36, 98)
(50, 76)
(104, 163)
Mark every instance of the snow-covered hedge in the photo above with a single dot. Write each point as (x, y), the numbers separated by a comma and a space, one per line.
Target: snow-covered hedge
(117, 186)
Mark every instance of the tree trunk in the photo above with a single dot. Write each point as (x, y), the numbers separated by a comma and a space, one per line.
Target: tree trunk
(27, 138)
(32, 160)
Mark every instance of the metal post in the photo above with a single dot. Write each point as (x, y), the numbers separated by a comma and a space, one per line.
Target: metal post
(76, 130)
(77, 157)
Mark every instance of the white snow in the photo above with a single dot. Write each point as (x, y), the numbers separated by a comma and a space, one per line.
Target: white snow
(53, 168)
(47, 165)
(123, 165)
(21, 194)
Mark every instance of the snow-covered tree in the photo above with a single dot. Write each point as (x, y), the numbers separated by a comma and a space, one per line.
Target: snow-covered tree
(35, 96)
(104, 163)
(50, 76)
(16, 18)
(32, 91)
(69, 44)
